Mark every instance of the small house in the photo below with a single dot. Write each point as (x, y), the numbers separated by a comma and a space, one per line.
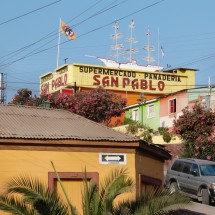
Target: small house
(30, 138)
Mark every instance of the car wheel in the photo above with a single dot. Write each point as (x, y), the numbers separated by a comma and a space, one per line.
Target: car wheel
(173, 187)
(205, 197)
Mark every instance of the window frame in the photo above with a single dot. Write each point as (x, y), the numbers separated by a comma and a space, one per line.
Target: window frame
(52, 178)
(133, 113)
(174, 106)
(152, 114)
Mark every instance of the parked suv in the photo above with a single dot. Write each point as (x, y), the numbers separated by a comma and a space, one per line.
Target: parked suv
(194, 177)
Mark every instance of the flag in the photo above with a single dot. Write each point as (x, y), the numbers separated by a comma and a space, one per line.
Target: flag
(65, 29)
(116, 25)
(132, 24)
(162, 52)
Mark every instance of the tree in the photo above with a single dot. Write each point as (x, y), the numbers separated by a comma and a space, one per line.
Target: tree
(98, 104)
(196, 128)
(24, 97)
(36, 199)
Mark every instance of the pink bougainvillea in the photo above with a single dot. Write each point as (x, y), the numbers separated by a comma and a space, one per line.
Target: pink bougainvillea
(196, 127)
(98, 105)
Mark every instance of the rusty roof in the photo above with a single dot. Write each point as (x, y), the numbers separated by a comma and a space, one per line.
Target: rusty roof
(39, 123)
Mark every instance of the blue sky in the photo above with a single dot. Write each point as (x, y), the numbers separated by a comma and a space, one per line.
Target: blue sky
(186, 33)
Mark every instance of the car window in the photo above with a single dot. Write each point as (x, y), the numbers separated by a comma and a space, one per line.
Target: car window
(194, 170)
(177, 166)
(207, 170)
(186, 168)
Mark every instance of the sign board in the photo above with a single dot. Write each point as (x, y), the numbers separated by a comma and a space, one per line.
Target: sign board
(91, 76)
(112, 158)
(67, 91)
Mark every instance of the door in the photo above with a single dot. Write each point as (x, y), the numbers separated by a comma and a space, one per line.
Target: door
(194, 179)
(184, 177)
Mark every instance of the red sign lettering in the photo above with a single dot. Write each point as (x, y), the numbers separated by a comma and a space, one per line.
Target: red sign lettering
(136, 84)
(161, 85)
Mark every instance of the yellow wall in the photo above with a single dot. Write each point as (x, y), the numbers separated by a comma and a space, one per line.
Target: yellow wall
(116, 79)
(37, 163)
(148, 167)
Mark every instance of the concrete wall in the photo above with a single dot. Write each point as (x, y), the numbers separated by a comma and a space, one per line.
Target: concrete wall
(167, 118)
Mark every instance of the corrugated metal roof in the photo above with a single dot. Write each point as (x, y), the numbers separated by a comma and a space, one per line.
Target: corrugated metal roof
(39, 123)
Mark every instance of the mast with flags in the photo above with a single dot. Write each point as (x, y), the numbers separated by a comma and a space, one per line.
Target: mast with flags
(131, 40)
(149, 49)
(116, 36)
(132, 63)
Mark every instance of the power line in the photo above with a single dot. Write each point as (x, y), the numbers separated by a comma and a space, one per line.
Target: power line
(124, 17)
(106, 8)
(96, 29)
(194, 61)
(25, 14)
(53, 34)
(91, 85)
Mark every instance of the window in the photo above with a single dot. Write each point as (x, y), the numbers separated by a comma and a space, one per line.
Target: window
(186, 168)
(150, 110)
(194, 170)
(135, 114)
(208, 170)
(172, 106)
(177, 166)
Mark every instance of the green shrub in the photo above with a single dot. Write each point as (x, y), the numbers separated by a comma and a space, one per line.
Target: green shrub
(167, 137)
(146, 135)
(162, 130)
(134, 128)
(128, 121)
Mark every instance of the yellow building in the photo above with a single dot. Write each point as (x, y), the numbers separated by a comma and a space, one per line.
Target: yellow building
(30, 138)
(129, 83)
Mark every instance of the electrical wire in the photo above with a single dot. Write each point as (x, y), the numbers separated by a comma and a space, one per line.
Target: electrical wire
(33, 11)
(96, 29)
(53, 33)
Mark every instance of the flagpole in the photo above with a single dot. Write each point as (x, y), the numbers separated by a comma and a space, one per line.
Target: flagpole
(58, 47)
(158, 47)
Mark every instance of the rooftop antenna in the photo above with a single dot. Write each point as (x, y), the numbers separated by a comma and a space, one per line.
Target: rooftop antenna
(65, 59)
(149, 49)
(117, 46)
(131, 40)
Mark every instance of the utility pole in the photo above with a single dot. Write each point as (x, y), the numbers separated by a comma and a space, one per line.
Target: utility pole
(75, 87)
(141, 102)
(209, 86)
(2, 88)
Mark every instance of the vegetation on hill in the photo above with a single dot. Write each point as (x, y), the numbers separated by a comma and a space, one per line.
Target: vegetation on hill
(144, 132)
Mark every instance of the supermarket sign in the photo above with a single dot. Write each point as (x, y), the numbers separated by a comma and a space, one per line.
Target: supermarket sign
(109, 78)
